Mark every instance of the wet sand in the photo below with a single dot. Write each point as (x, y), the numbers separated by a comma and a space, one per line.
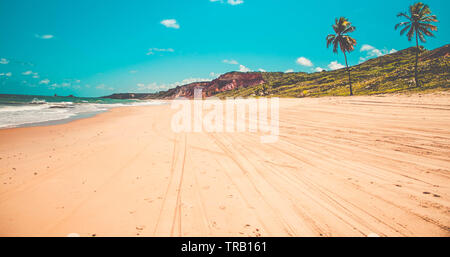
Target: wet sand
(343, 166)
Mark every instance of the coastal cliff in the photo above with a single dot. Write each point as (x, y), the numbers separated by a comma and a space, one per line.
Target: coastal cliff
(225, 82)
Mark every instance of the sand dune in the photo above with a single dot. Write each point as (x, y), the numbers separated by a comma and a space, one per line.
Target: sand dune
(344, 166)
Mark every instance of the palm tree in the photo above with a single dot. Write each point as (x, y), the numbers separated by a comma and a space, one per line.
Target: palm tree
(347, 44)
(418, 22)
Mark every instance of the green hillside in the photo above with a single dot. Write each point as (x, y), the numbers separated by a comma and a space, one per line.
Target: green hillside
(385, 74)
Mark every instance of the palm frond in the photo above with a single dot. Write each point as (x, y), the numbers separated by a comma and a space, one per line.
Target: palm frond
(402, 14)
(410, 33)
(335, 46)
(330, 39)
(429, 18)
(425, 10)
(425, 31)
(421, 37)
(404, 23)
(404, 30)
(349, 29)
(428, 26)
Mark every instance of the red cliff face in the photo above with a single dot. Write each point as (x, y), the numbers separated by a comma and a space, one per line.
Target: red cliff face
(187, 90)
(233, 80)
(225, 82)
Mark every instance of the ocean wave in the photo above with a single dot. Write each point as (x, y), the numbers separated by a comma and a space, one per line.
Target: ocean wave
(37, 101)
(39, 111)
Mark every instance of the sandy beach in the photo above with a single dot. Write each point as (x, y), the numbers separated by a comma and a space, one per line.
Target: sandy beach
(343, 166)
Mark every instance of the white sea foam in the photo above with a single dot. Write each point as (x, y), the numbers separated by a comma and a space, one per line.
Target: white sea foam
(39, 112)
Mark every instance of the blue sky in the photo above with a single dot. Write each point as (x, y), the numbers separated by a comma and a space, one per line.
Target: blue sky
(95, 48)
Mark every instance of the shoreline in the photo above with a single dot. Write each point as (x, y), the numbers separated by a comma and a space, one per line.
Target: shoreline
(342, 167)
(81, 115)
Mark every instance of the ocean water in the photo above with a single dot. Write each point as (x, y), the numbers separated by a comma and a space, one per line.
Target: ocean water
(29, 110)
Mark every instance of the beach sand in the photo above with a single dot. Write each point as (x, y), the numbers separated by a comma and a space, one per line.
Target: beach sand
(343, 166)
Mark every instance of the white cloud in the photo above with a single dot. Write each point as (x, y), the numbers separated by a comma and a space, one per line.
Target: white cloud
(289, 71)
(101, 87)
(235, 2)
(8, 74)
(55, 85)
(261, 70)
(27, 72)
(170, 23)
(366, 48)
(242, 68)
(230, 2)
(142, 86)
(43, 36)
(335, 65)
(190, 80)
(318, 69)
(133, 71)
(152, 51)
(158, 87)
(4, 61)
(304, 62)
(44, 81)
(230, 61)
(374, 52)
(214, 75)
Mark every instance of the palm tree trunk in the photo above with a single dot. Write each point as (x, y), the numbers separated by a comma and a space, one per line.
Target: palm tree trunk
(348, 70)
(417, 60)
